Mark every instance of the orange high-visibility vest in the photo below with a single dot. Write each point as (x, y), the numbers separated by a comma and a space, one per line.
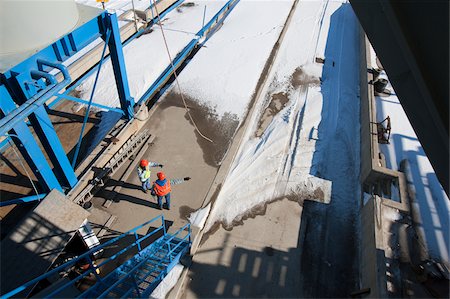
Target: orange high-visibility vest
(162, 190)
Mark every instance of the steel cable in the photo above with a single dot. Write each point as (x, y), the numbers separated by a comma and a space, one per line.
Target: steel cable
(176, 77)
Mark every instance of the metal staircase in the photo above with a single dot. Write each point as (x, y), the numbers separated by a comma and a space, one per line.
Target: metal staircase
(140, 275)
(146, 261)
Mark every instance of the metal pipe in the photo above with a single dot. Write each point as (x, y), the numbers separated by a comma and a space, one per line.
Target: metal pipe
(41, 74)
(19, 114)
(23, 199)
(135, 17)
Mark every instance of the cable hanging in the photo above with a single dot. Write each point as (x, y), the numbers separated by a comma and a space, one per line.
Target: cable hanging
(176, 77)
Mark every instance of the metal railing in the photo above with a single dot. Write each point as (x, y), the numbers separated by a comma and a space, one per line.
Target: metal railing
(87, 257)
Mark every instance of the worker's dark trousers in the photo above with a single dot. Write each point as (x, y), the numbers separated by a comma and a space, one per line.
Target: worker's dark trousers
(167, 196)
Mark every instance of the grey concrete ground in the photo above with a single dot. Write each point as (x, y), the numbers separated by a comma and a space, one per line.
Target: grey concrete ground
(258, 259)
(175, 146)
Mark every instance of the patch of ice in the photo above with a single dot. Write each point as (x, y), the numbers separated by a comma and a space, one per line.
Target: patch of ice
(366, 197)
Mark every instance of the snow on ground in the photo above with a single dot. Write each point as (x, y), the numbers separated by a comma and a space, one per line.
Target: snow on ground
(198, 218)
(431, 201)
(146, 57)
(276, 154)
(167, 283)
(223, 75)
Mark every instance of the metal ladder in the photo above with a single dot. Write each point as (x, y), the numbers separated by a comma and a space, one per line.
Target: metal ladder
(129, 148)
(137, 277)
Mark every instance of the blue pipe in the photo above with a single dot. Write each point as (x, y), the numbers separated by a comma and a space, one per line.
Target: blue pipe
(41, 74)
(19, 114)
(23, 199)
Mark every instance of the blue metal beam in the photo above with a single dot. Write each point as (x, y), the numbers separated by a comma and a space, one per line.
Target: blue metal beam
(78, 100)
(45, 131)
(28, 146)
(118, 62)
(23, 199)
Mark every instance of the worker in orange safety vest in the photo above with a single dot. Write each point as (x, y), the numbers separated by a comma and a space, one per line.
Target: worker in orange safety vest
(162, 188)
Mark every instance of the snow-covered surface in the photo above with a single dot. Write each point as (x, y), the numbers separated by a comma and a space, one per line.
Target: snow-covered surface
(146, 57)
(224, 74)
(431, 201)
(198, 218)
(280, 162)
(167, 283)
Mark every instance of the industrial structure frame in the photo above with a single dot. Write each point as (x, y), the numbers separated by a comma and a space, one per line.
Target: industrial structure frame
(26, 88)
(31, 84)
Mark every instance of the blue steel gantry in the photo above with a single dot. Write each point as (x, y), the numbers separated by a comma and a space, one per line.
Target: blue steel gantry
(26, 88)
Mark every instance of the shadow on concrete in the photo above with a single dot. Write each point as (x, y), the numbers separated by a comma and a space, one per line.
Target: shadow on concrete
(29, 251)
(112, 182)
(116, 197)
(251, 274)
(92, 139)
(10, 220)
(433, 213)
(408, 275)
(330, 266)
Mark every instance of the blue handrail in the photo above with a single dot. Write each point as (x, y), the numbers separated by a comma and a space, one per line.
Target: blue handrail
(84, 256)
(137, 266)
(93, 268)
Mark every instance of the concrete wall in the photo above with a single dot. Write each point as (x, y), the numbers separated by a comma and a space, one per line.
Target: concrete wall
(373, 174)
(366, 140)
(411, 40)
(373, 266)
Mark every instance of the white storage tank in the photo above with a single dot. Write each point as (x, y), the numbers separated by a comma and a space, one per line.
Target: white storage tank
(27, 26)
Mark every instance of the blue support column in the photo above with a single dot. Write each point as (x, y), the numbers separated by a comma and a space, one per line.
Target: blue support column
(28, 146)
(118, 62)
(53, 147)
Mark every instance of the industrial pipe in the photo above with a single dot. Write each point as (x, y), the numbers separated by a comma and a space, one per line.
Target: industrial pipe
(11, 119)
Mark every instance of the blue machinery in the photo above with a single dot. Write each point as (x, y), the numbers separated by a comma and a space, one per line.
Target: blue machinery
(136, 278)
(26, 87)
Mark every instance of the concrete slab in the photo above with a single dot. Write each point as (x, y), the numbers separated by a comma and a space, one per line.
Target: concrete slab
(258, 259)
(176, 147)
(36, 241)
